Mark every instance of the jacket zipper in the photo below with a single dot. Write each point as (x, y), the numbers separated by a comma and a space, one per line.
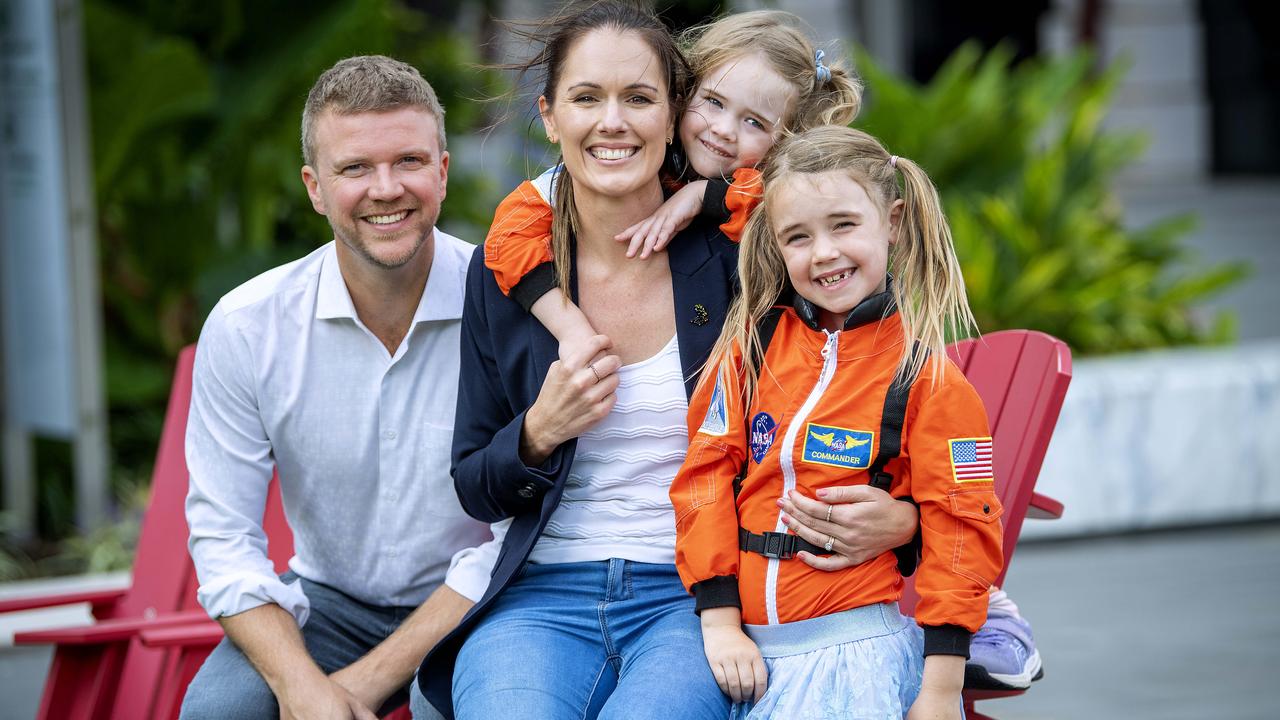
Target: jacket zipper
(787, 458)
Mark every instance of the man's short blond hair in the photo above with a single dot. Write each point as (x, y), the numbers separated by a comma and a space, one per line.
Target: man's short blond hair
(367, 83)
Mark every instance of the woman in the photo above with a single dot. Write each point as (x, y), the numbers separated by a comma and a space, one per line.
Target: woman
(585, 615)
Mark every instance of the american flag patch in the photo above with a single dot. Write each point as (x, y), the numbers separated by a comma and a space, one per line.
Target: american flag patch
(971, 459)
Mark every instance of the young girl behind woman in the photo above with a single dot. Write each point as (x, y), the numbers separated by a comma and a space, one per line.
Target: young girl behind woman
(813, 407)
(758, 76)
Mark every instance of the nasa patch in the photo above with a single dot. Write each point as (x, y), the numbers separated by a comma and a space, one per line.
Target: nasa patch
(716, 421)
(763, 432)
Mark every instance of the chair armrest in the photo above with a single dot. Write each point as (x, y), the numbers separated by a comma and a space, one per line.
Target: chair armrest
(201, 634)
(107, 631)
(97, 598)
(1043, 507)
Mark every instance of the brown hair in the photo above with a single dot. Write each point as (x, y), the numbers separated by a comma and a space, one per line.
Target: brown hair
(928, 287)
(367, 83)
(831, 98)
(556, 35)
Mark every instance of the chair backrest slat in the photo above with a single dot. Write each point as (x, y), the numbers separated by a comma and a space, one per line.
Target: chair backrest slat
(1022, 378)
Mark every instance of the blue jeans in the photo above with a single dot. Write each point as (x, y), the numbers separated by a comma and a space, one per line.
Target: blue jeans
(608, 639)
(339, 631)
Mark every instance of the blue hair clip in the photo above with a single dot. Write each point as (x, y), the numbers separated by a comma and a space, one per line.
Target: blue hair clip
(823, 72)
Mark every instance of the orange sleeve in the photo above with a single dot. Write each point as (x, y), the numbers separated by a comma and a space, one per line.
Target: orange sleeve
(519, 239)
(950, 453)
(702, 494)
(743, 195)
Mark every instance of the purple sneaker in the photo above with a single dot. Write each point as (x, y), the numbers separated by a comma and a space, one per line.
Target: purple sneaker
(1002, 656)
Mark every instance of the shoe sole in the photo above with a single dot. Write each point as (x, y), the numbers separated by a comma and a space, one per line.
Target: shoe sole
(976, 677)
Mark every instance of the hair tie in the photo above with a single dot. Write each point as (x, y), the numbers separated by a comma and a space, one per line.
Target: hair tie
(893, 161)
(823, 72)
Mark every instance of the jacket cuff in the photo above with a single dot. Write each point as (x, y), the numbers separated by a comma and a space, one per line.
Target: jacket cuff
(713, 206)
(946, 640)
(536, 283)
(719, 591)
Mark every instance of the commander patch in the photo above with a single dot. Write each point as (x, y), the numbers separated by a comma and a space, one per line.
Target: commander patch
(971, 459)
(836, 446)
(717, 420)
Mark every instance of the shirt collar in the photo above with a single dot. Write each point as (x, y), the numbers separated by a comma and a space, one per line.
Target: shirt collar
(333, 300)
(441, 298)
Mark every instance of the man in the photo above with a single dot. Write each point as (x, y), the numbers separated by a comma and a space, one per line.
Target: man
(340, 371)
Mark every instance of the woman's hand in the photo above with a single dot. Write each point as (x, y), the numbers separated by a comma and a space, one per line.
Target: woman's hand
(577, 394)
(735, 660)
(863, 522)
(653, 233)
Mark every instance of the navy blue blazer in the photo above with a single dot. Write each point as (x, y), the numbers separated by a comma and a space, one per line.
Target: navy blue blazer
(505, 356)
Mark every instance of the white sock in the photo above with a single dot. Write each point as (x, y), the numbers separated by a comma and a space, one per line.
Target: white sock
(998, 603)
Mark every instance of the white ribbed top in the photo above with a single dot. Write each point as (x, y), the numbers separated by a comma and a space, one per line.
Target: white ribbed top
(615, 502)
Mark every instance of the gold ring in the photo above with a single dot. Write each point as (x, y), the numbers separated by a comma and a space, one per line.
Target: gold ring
(829, 507)
(594, 371)
(831, 542)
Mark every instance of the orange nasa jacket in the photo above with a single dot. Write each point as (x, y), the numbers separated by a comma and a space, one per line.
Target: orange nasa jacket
(814, 422)
(518, 246)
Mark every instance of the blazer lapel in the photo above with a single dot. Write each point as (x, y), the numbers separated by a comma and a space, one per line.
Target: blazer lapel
(701, 280)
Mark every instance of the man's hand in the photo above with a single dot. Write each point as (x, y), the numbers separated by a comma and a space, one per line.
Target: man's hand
(321, 698)
(864, 522)
(354, 681)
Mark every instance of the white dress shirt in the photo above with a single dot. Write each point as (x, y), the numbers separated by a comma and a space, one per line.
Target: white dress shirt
(286, 376)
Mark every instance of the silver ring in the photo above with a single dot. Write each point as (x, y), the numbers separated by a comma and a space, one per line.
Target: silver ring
(831, 542)
(594, 371)
(829, 507)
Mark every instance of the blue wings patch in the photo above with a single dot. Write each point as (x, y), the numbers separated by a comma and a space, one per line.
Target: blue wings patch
(836, 446)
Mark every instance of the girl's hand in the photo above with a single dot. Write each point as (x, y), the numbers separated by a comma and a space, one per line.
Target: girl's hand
(940, 689)
(577, 394)
(652, 234)
(865, 522)
(735, 660)
(933, 704)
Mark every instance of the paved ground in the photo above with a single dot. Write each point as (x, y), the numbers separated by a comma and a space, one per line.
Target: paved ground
(1171, 626)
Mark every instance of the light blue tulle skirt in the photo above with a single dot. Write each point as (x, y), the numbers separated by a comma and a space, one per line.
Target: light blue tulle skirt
(860, 664)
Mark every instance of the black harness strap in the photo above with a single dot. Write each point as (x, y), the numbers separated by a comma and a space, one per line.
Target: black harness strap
(776, 544)
(891, 421)
(764, 332)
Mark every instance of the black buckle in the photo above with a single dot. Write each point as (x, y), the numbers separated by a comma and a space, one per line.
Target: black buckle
(779, 545)
(881, 480)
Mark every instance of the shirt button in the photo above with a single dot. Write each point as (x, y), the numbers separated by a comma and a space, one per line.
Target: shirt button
(526, 491)
(390, 434)
(391, 496)
(391, 552)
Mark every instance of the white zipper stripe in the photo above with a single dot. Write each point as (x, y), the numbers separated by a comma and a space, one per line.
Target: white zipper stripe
(788, 462)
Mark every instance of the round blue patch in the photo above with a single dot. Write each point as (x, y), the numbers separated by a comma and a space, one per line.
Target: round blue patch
(763, 431)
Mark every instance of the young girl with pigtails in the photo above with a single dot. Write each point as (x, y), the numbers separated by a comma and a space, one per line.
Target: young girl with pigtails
(832, 369)
(757, 76)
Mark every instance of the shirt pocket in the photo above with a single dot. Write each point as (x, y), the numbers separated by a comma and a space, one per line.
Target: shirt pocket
(976, 511)
(440, 499)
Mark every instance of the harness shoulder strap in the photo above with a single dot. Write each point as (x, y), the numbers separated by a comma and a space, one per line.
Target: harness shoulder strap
(764, 332)
(891, 421)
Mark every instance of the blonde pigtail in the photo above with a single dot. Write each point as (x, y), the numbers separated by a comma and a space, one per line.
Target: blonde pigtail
(929, 286)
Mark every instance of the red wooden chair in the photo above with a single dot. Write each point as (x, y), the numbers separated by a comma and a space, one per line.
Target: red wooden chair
(103, 670)
(1022, 378)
